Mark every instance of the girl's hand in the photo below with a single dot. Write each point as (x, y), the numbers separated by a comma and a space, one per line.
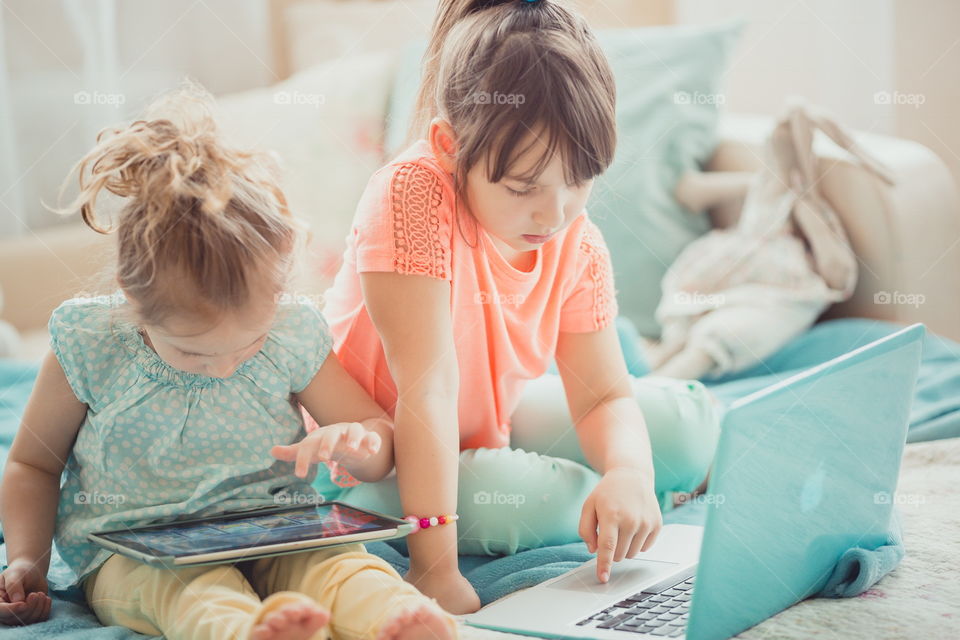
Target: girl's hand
(346, 443)
(624, 508)
(451, 590)
(23, 594)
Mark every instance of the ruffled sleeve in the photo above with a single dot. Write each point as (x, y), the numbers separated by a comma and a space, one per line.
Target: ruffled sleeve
(404, 222)
(80, 339)
(299, 342)
(592, 303)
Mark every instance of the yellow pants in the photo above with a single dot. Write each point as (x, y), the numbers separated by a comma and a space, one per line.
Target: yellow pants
(217, 602)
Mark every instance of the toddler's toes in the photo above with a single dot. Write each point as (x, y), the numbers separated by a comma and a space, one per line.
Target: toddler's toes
(293, 621)
(424, 621)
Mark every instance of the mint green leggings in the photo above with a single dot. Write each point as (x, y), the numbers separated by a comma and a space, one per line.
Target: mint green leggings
(530, 494)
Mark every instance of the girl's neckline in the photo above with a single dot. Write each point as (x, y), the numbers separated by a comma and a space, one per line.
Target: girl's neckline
(504, 265)
(158, 369)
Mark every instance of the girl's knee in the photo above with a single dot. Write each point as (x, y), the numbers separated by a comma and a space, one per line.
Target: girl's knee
(347, 561)
(355, 572)
(120, 576)
(511, 500)
(516, 479)
(148, 599)
(683, 420)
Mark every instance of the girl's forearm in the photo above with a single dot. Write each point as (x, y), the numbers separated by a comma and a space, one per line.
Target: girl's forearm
(614, 434)
(377, 466)
(28, 509)
(427, 446)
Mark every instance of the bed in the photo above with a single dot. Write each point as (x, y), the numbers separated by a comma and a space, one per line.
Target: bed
(919, 598)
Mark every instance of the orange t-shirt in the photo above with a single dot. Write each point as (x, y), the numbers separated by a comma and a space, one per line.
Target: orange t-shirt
(505, 321)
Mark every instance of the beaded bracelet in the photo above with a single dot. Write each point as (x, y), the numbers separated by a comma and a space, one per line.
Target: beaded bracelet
(425, 523)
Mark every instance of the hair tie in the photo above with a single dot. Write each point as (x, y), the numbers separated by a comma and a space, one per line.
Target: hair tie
(531, 1)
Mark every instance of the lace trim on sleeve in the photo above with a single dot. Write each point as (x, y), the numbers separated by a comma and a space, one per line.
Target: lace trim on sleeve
(604, 295)
(416, 195)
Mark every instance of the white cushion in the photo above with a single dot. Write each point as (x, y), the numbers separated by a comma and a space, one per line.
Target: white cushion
(325, 125)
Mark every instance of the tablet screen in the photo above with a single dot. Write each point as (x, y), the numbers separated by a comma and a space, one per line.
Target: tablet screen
(254, 529)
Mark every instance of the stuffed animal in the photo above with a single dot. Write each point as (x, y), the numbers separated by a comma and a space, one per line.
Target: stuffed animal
(736, 295)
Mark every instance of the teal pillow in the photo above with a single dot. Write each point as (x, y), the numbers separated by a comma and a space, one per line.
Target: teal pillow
(668, 83)
(668, 94)
(402, 97)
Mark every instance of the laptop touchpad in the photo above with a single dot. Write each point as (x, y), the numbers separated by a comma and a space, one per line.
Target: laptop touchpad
(628, 572)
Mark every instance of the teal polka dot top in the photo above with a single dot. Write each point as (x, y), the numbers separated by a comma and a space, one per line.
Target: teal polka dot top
(159, 444)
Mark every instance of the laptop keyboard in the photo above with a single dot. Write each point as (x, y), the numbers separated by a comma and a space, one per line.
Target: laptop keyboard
(662, 611)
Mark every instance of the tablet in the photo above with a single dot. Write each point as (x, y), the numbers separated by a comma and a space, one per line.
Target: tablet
(250, 534)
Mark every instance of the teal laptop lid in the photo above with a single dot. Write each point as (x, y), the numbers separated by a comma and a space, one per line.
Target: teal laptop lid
(804, 470)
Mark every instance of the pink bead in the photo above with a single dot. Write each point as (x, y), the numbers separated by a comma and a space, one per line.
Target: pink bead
(424, 523)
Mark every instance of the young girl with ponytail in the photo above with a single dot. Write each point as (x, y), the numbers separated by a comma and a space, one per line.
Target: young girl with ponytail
(471, 265)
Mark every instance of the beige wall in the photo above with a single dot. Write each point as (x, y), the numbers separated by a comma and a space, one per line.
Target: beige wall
(886, 66)
(305, 32)
(927, 64)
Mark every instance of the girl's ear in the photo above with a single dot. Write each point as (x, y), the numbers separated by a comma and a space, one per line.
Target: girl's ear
(443, 144)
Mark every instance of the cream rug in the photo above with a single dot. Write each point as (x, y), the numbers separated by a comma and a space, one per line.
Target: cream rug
(920, 599)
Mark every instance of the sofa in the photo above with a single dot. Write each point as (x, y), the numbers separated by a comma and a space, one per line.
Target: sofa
(906, 236)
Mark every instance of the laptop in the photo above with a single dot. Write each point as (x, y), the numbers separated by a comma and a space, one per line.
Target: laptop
(249, 534)
(804, 470)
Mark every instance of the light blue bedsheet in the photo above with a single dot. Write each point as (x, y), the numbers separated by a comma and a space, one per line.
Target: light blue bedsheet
(935, 414)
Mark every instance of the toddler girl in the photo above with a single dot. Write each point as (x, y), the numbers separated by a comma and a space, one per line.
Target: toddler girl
(177, 397)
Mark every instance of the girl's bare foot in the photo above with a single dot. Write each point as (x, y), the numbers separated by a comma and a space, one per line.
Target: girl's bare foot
(293, 621)
(426, 621)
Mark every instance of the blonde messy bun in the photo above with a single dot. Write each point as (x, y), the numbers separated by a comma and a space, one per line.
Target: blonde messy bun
(196, 211)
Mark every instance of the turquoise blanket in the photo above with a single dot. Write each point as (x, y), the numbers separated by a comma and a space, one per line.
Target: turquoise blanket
(935, 414)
